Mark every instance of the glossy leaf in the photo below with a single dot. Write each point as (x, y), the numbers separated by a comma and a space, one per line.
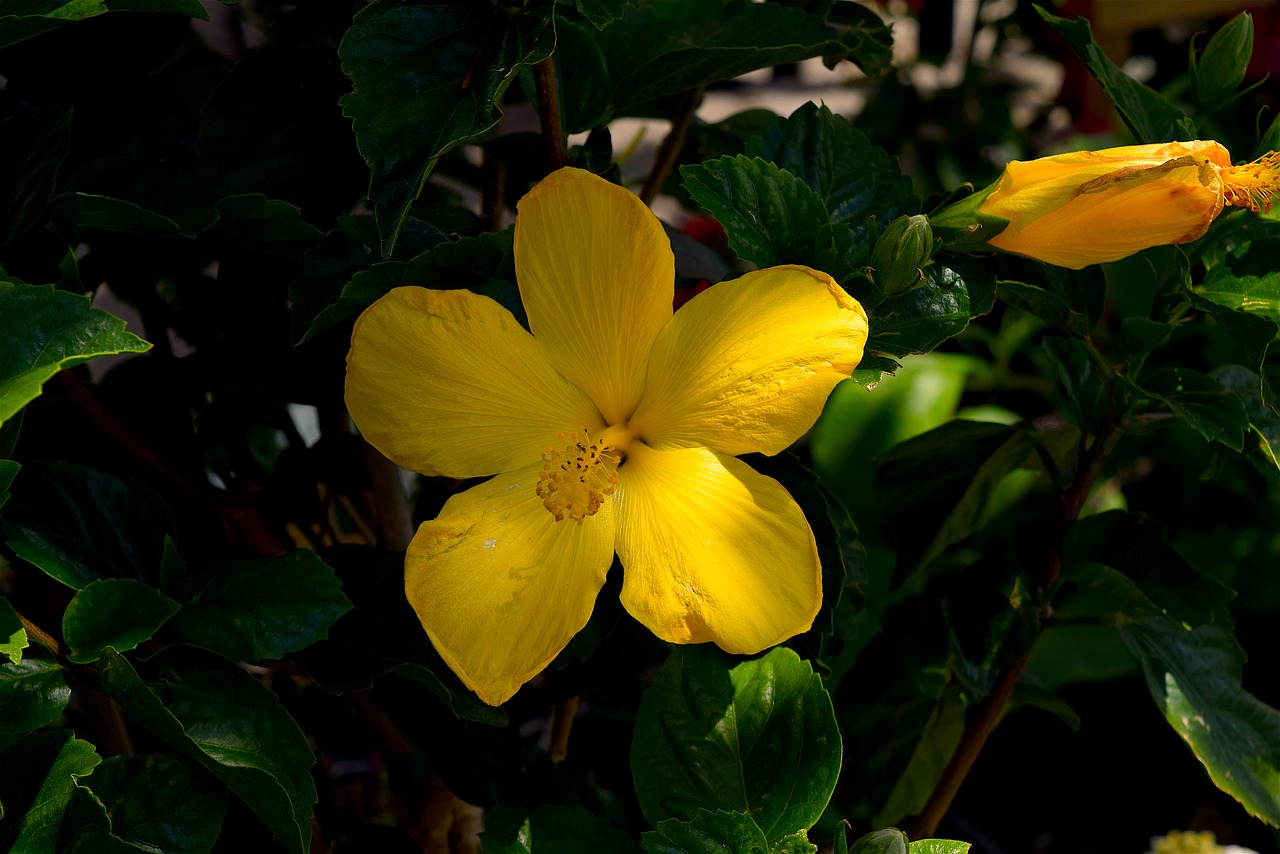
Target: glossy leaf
(919, 320)
(1247, 280)
(160, 802)
(43, 331)
(35, 800)
(208, 708)
(759, 737)
(770, 216)
(552, 829)
(707, 832)
(427, 78)
(668, 46)
(81, 525)
(1149, 115)
(1137, 546)
(33, 692)
(263, 607)
(115, 612)
(1195, 677)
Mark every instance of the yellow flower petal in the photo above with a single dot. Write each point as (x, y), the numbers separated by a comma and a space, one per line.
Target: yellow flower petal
(597, 277)
(747, 365)
(500, 586)
(447, 382)
(1087, 207)
(713, 551)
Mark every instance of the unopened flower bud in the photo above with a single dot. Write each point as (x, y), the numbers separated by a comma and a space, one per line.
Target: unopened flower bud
(904, 247)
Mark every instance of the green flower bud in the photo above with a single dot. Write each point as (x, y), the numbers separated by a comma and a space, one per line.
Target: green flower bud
(904, 247)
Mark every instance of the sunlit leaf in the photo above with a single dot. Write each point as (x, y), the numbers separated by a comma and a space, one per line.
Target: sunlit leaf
(43, 331)
(759, 737)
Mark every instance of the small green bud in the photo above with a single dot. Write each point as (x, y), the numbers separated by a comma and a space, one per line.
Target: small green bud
(904, 247)
(1222, 66)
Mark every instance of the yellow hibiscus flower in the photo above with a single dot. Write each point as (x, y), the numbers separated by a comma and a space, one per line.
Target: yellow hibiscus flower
(613, 426)
(1087, 207)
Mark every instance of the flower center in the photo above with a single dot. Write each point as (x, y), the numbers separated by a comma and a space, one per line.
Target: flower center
(1253, 185)
(575, 482)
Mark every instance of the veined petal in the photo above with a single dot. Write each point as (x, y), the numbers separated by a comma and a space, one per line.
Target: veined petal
(1088, 207)
(447, 382)
(597, 277)
(500, 586)
(747, 365)
(713, 551)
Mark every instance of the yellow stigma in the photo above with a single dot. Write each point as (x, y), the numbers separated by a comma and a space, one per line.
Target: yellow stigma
(575, 482)
(1253, 185)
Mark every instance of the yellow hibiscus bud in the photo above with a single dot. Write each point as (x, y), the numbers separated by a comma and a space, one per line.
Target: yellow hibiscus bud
(1087, 207)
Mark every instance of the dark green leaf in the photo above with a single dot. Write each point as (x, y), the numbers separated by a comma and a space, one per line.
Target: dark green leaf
(919, 320)
(1262, 442)
(1143, 336)
(1195, 677)
(33, 144)
(210, 709)
(33, 692)
(40, 16)
(1222, 66)
(161, 802)
(193, 8)
(580, 60)
(80, 525)
(263, 607)
(1046, 305)
(86, 829)
(669, 46)
(115, 612)
(1198, 399)
(427, 78)
(934, 748)
(90, 212)
(760, 737)
(1137, 546)
(707, 832)
(552, 830)
(1151, 116)
(1247, 280)
(770, 216)
(855, 179)
(1085, 392)
(43, 331)
(35, 799)
(601, 13)
(258, 222)
(8, 471)
(13, 637)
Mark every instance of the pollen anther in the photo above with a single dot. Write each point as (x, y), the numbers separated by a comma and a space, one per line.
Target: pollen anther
(575, 482)
(1253, 185)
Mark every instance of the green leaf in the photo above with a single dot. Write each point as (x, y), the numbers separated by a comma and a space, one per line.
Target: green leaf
(1262, 442)
(1198, 399)
(92, 212)
(427, 78)
(601, 13)
(86, 829)
(669, 46)
(796, 843)
(1085, 392)
(13, 636)
(35, 800)
(579, 59)
(81, 525)
(1046, 305)
(933, 751)
(707, 832)
(919, 320)
(1247, 280)
(162, 802)
(210, 709)
(1195, 677)
(257, 222)
(551, 830)
(855, 179)
(43, 331)
(1137, 546)
(33, 144)
(771, 216)
(40, 16)
(1223, 64)
(33, 692)
(1149, 115)
(191, 8)
(115, 612)
(8, 471)
(938, 846)
(263, 607)
(760, 737)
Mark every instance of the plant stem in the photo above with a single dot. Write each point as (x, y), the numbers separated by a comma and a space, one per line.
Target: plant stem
(986, 714)
(41, 635)
(669, 151)
(544, 76)
(561, 726)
